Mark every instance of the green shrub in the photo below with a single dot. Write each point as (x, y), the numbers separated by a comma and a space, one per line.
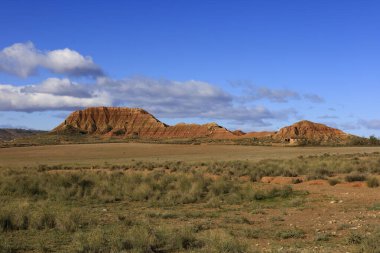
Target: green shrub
(355, 238)
(333, 181)
(371, 243)
(323, 237)
(283, 192)
(119, 132)
(292, 233)
(224, 243)
(355, 177)
(375, 207)
(6, 222)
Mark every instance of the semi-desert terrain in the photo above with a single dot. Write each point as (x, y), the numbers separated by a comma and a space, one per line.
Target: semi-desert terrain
(135, 197)
(119, 180)
(191, 126)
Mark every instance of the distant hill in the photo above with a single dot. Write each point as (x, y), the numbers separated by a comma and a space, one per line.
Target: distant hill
(310, 132)
(138, 123)
(7, 134)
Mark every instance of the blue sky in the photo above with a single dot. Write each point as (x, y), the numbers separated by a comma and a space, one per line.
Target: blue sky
(253, 65)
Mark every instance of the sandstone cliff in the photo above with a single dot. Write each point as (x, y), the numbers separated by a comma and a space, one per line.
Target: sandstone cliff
(138, 123)
(135, 122)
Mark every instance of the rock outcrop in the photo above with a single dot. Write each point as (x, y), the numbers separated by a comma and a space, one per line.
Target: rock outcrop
(310, 131)
(135, 122)
(138, 123)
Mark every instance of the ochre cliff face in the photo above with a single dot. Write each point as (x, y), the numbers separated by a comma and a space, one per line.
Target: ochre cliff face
(310, 131)
(135, 122)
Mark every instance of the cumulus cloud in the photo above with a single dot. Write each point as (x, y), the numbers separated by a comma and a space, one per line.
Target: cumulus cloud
(279, 96)
(189, 99)
(60, 87)
(14, 98)
(254, 92)
(24, 59)
(164, 98)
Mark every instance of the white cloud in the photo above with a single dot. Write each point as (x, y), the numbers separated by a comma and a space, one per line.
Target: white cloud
(167, 97)
(14, 98)
(279, 96)
(24, 59)
(253, 92)
(163, 98)
(62, 87)
(189, 99)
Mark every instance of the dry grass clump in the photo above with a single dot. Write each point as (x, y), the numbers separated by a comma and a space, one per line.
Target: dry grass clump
(156, 188)
(370, 244)
(291, 233)
(373, 182)
(143, 238)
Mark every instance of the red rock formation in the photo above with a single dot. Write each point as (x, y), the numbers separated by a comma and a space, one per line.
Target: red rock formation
(238, 133)
(262, 134)
(135, 122)
(311, 131)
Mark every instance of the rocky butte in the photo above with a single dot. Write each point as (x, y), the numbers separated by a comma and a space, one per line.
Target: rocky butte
(137, 123)
(307, 130)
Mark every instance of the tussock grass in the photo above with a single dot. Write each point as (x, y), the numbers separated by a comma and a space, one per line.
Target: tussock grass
(161, 207)
(155, 188)
(291, 233)
(373, 182)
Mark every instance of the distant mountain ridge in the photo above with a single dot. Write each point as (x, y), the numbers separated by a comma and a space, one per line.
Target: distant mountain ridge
(8, 134)
(137, 123)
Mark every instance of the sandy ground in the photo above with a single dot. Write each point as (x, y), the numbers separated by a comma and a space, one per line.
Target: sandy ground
(338, 211)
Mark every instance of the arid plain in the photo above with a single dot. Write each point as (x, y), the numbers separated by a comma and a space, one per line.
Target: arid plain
(139, 197)
(125, 153)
